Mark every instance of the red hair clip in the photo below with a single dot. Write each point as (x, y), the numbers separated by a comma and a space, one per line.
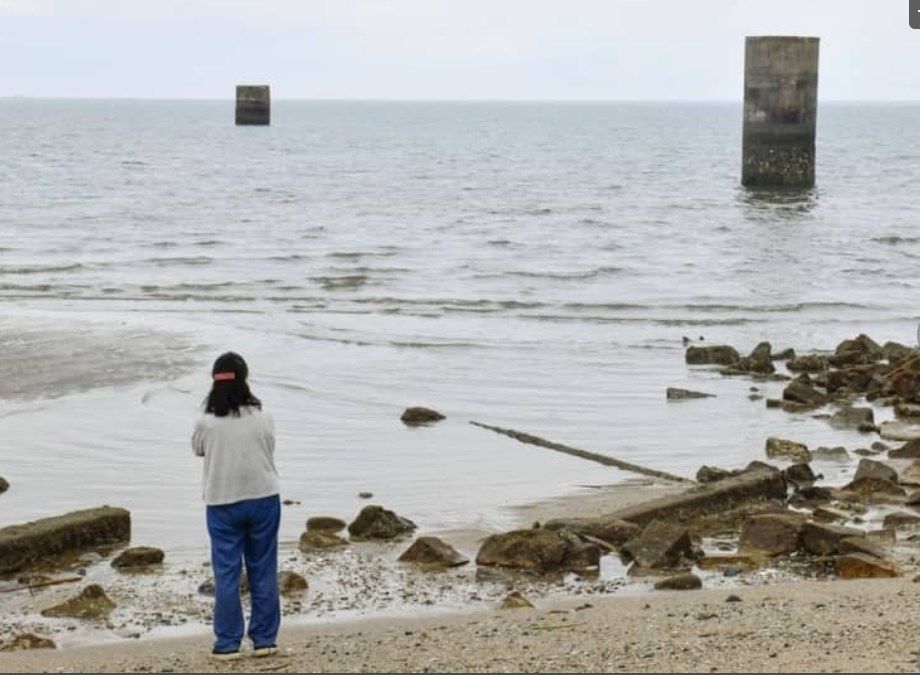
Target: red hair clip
(224, 376)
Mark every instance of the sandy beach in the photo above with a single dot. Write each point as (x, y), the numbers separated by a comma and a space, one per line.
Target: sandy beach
(808, 626)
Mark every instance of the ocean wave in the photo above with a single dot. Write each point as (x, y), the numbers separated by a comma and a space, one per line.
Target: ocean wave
(42, 269)
(180, 260)
(894, 240)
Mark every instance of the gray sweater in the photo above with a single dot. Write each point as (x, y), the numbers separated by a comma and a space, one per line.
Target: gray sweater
(238, 453)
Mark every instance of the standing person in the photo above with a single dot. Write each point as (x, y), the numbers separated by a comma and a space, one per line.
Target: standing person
(237, 440)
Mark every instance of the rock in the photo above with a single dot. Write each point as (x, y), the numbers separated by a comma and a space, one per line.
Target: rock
(825, 515)
(365, 495)
(755, 485)
(894, 430)
(4, 485)
(849, 417)
(811, 363)
(910, 411)
(539, 550)
(711, 474)
(759, 361)
(515, 600)
(431, 551)
(207, 587)
(901, 520)
(798, 391)
(869, 468)
(835, 454)
(376, 522)
(771, 534)
(138, 556)
(861, 544)
(325, 524)
(92, 603)
(611, 530)
(320, 541)
(866, 452)
(722, 355)
(680, 582)
(788, 406)
(797, 452)
(800, 473)
(675, 394)
(878, 446)
(659, 545)
(861, 350)
(26, 641)
(910, 475)
(910, 450)
(861, 566)
(866, 488)
(721, 562)
(895, 352)
(23, 545)
(417, 416)
(784, 355)
(810, 496)
(291, 584)
(857, 379)
(824, 539)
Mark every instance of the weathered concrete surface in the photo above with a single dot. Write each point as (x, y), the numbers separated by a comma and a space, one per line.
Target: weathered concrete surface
(750, 487)
(253, 104)
(780, 111)
(27, 544)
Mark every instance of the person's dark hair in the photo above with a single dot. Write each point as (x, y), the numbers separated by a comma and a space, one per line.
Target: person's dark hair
(229, 389)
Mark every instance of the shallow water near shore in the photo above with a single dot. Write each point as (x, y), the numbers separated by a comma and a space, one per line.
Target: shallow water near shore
(531, 266)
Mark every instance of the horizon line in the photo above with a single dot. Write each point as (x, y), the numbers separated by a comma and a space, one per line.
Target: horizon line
(232, 99)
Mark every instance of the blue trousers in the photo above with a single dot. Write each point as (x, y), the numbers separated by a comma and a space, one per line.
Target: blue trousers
(245, 531)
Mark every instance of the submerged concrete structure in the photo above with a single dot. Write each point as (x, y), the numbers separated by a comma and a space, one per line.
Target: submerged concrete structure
(780, 111)
(253, 104)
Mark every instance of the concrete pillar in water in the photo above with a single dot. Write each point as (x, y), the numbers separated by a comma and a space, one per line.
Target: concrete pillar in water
(253, 104)
(780, 110)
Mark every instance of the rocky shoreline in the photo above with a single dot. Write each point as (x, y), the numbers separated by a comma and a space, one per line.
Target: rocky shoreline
(774, 520)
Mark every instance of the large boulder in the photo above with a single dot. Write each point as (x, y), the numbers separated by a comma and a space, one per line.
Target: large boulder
(325, 524)
(861, 544)
(799, 391)
(722, 355)
(896, 353)
(910, 475)
(781, 448)
(660, 545)
(862, 566)
(824, 539)
(901, 520)
(771, 534)
(417, 415)
(759, 361)
(910, 450)
(431, 551)
(854, 379)
(311, 542)
(4, 485)
(138, 556)
(858, 351)
(800, 473)
(836, 454)
(23, 545)
(376, 522)
(756, 485)
(869, 468)
(870, 489)
(810, 363)
(905, 380)
(896, 430)
(711, 474)
(851, 418)
(535, 549)
(611, 530)
(91, 603)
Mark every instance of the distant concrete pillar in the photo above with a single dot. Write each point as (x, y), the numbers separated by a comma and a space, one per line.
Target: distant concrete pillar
(253, 104)
(780, 110)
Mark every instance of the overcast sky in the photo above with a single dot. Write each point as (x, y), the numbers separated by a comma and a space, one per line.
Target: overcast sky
(443, 49)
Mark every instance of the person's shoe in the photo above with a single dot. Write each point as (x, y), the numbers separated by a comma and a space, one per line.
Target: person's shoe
(267, 650)
(225, 656)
